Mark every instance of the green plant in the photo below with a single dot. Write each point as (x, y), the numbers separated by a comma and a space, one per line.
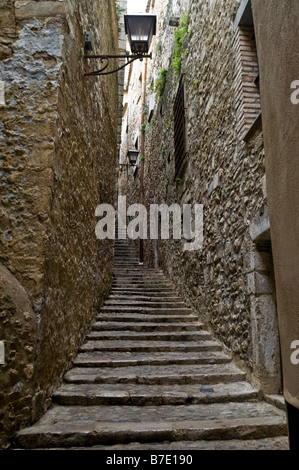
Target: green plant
(159, 47)
(142, 157)
(143, 127)
(119, 10)
(196, 83)
(179, 36)
(161, 82)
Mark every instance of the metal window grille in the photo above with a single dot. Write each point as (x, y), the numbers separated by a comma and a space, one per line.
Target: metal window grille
(179, 129)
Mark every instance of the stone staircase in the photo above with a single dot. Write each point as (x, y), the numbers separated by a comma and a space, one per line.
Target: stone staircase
(150, 376)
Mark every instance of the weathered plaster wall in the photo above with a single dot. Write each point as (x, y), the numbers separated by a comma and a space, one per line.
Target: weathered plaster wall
(58, 137)
(276, 32)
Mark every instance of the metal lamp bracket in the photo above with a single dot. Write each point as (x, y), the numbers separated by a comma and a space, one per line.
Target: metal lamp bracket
(105, 60)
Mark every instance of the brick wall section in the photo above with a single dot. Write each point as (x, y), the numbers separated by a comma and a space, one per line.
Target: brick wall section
(248, 104)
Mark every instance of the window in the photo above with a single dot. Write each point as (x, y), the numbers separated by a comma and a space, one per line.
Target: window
(179, 129)
(247, 94)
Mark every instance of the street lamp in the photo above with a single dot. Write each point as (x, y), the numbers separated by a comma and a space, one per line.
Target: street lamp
(140, 30)
(133, 156)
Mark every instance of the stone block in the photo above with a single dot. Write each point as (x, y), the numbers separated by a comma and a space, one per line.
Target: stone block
(259, 284)
(260, 227)
(266, 352)
(30, 10)
(258, 261)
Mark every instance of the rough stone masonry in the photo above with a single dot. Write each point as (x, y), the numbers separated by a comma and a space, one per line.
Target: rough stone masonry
(58, 148)
(230, 281)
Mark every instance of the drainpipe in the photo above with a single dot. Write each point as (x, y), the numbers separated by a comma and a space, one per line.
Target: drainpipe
(142, 147)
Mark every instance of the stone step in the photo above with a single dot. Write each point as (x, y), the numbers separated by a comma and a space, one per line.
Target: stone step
(128, 256)
(154, 375)
(160, 287)
(270, 443)
(130, 274)
(148, 336)
(146, 327)
(121, 248)
(140, 279)
(144, 395)
(144, 304)
(138, 271)
(145, 298)
(141, 285)
(162, 292)
(142, 318)
(123, 359)
(145, 346)
(121, 263)
(70, 426)
(146, 310)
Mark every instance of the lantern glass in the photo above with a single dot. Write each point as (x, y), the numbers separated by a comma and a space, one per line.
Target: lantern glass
(133, 155)
(140, 30)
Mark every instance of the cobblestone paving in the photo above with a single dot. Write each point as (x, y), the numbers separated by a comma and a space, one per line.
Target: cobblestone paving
(149, 377)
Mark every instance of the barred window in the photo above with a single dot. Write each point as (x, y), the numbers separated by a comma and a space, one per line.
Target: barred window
(180, 129)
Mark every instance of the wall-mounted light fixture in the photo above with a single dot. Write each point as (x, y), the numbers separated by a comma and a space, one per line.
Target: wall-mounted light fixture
(174, 21)
(88, 41)
(140, 30)
(132, 156)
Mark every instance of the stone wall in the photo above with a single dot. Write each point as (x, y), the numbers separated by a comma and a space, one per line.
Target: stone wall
(58, 138)
(224, 171)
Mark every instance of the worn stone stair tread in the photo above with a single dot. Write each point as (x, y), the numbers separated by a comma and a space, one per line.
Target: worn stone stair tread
(141, 292)
(121, 359)
(144, 280)
(133, 288)
(145, 304)
(131, 394)
(149, 336)
(89, 425)
(144, 326)
(147, 310)
(156, 374)
(141, 298)
(276, 400)
(271, 443)
(131, 317)
(141, 278)
(126, 345)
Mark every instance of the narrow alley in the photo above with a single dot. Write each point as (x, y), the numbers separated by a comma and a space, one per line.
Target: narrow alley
(149, 225)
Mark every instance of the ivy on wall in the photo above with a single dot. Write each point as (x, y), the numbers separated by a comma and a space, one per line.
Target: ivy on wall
(179, 37)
